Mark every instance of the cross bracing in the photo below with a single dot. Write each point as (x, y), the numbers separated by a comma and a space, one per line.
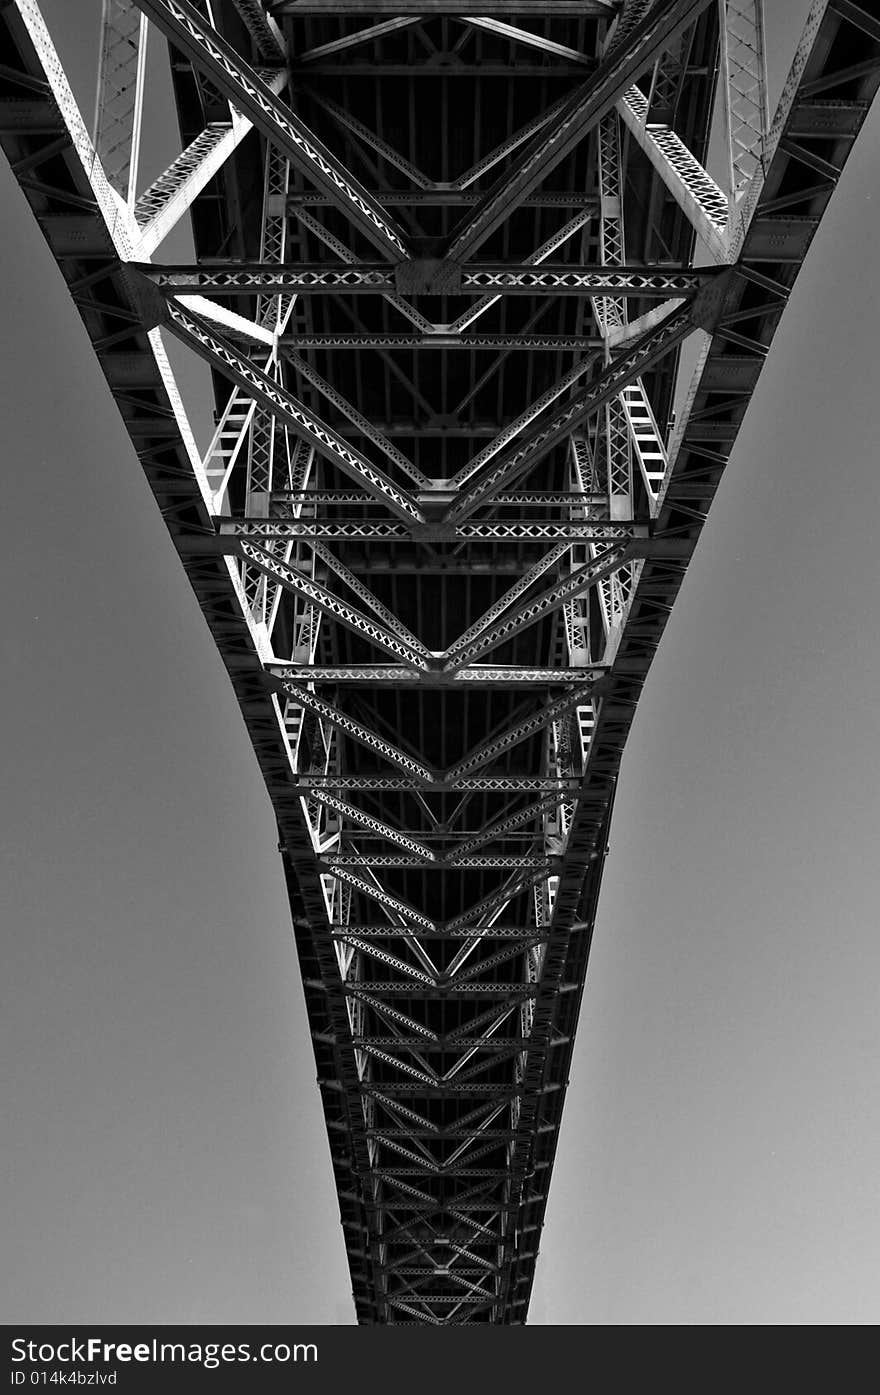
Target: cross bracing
(445, 263)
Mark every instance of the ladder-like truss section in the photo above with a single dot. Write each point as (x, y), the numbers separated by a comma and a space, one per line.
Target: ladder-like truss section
(446, 262)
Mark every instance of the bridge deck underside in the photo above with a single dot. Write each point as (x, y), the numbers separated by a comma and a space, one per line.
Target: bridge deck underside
(438, 671)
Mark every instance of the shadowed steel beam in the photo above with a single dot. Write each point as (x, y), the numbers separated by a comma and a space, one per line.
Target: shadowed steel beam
(317, 595)
(579, 115)
(541, 254)
(530, 612)
(566, 343)
(363, 734)
(262, 28)
(542, 438)
(357, 419)
(501, 827)
(240, 83)
(519, 588)
(383, 614)
(408, 932)
(477, 912)
(519, 424)
(524, 36)
(345, 254)
(370, 138)
(623, 370)
(494, 746)
(580, 9)
(372, 279)
(451, 196)
(384, 956)
(507, 147)
(361, 36)
(428, 863)
(518, 499)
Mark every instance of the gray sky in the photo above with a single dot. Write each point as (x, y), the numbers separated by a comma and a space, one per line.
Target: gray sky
(164, 1147)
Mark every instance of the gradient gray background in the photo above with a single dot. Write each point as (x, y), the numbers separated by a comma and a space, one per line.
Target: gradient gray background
(164, 1151)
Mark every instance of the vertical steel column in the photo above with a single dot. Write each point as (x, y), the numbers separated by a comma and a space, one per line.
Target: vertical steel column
(743, 90)
(273, 312)
(120, 96)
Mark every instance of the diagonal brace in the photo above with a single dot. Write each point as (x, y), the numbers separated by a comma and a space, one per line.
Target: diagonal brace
(182, 24)
(281, 404)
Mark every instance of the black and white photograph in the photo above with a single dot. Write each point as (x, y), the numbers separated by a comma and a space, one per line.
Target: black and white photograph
(439, 870)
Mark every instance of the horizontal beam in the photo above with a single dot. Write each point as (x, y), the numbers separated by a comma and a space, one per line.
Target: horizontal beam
(428, 278)
(520, 499)
(578, 9)
(574, 343)
(479, 862)
(440, 66)
(467, 932)
(400, 676)
(256, 530)
(501, 1135)
(443, 197)
(506, 993)
(473, 784)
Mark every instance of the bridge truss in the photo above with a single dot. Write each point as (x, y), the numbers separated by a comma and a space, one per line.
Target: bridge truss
(482, 330)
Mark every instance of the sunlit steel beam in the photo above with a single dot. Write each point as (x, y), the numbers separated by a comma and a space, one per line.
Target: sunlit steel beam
(197, 334)
(185, 27)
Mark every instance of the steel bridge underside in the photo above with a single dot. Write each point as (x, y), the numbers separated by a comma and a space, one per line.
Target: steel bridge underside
(482, 333)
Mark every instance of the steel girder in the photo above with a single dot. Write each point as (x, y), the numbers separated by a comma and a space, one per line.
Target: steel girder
(442, 819)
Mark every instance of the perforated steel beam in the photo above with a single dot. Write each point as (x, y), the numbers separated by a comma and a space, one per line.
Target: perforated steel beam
(197, 334)
(120, 95)
(666, 19)
(180, 22)
(432, 278)
(580, 9)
